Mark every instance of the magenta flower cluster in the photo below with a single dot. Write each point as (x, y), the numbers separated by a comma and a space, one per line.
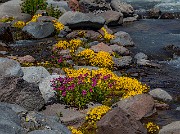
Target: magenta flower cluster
(78, 91)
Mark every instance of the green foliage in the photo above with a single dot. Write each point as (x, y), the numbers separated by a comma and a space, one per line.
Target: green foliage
(54, 12)
(31, 6)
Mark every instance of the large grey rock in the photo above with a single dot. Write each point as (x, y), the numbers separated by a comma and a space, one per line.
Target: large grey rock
(117, 121)
(12, 8)
(94, 5)
(123, 39)
(81, 20)
(46, 90)
(39, 29)
(17, 91)
(139, 106)
(35, 74)
(124, 61)
(10, 67)
(10, 123)
(123, 7)
(158, 93)
(112, 18)
(172, 128)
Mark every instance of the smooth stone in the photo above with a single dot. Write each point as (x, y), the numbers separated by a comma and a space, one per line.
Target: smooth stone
(172, 128)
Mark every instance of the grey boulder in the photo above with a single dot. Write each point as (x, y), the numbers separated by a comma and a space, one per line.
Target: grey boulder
(172, 128)
(35, 74)
(39, 30)
(17, 91)
(10, 67)
(81, 20)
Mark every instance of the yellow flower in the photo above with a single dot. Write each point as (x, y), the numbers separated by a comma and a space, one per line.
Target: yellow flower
(107, 36)
(19, 24)
(152, 128)
(34, 18)
(58, 25)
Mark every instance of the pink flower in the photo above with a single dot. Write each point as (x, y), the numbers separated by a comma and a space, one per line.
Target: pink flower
(84, 92)
(90, 90)
(64, 93)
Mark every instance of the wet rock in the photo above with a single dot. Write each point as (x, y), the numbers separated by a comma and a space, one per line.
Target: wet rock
(10, 123)
(77, 20)
(120, 50)
(102, 47)
(10, 67)
(140, 56)
(117, 121)
(172, 128)
(143, 62)
(17, 91)
(39, 30)
(178, 108)
(122, 62)
(59, 4)
(5, 32)
(46, 90)
(154, 13)
(34, 121)
(35, 74)
(93, 5)
(139, 106)
(70, 116)
(24, 59)
(129, 20)
(161, 94)
(123, 7)
(123, 39)
(112, 18)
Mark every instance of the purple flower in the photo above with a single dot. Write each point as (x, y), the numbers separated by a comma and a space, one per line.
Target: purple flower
(60, 60)
(94, 84)
(64, 93)
(52, 56)
(84, 92)
(90, 90)
(85, 75)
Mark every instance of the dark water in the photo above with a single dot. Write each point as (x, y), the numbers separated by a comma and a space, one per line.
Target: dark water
(150, 37)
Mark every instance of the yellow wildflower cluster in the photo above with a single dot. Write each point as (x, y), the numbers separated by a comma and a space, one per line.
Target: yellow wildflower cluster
(34, 18)
(100, 59)
(152, 128)
(19, 24)
(107, 36)
(95, 114)
(58, 25)
(86, 54)
(81, 33)
(74, 130)
(129, 86)
(44, 64)
(72, 45)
